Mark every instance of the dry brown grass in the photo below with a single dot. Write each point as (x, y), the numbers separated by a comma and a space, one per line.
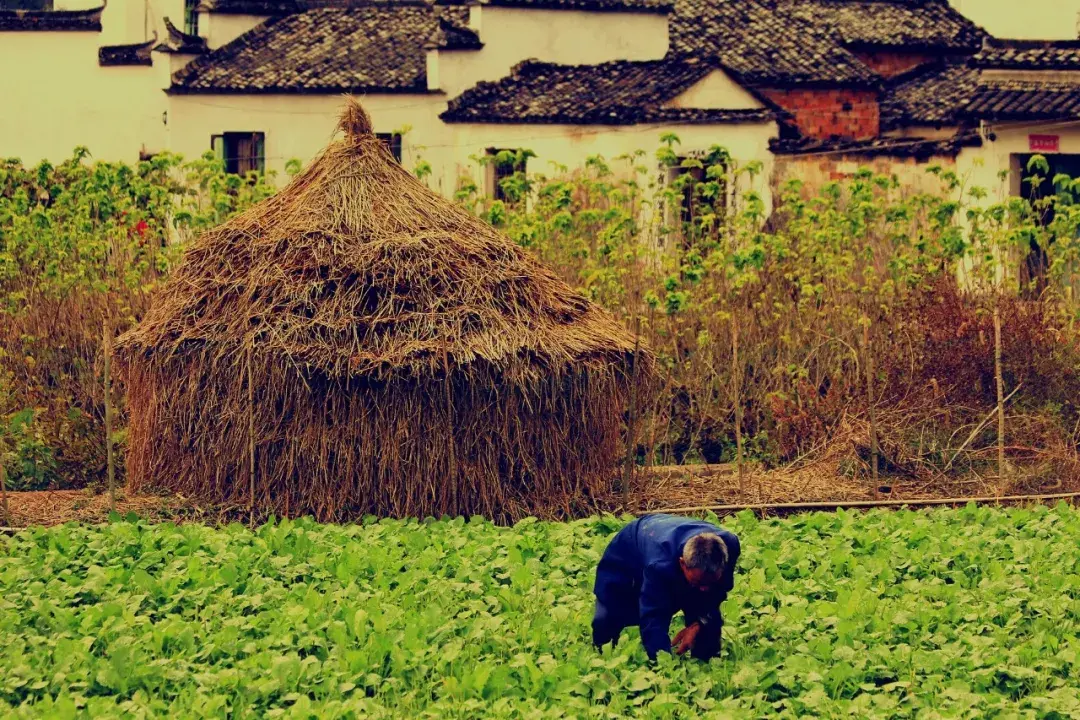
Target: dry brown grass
(379, 350)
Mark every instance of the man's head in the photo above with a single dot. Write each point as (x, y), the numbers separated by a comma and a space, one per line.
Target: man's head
(704, 558)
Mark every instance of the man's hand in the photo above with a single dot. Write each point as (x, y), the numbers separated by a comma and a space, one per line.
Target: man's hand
(684, 639)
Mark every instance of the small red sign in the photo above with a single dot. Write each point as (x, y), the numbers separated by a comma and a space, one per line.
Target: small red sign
(1043, 143)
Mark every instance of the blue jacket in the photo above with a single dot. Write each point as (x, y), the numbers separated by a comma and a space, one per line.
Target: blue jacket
(640, 581)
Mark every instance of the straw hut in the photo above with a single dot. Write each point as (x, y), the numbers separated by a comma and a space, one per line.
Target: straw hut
(357, 344)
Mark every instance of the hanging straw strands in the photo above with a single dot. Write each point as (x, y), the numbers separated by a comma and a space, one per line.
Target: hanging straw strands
(379, 315)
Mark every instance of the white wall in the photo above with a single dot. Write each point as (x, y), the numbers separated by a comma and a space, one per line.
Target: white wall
(716, 91)
(1026, 19)
(299, 126)
(571, 145)
(70, 100)
(980, 165)
(223, 29)
(570, 37)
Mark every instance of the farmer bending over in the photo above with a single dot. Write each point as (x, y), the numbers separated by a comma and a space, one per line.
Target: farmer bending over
(656, 566)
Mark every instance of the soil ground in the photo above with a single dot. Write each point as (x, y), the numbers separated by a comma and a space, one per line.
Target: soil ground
(659, 488)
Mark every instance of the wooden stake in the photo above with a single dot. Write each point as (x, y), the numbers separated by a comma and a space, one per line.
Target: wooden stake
(251, 433)
(451, 460)
(631, 424)
(110, 459)
(3, 488)
(827, 505)
(1000, 391)
(869, 363)
(736, 371)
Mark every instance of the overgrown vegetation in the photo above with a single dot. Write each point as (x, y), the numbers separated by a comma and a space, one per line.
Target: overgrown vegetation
(763, 322)
(83, 244)
(758, 320)
(950, 614)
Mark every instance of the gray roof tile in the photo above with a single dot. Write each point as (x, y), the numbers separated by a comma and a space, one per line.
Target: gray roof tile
(922, 24)
(764, 47)
(613, 93)
(374, 48)
(1029, 55)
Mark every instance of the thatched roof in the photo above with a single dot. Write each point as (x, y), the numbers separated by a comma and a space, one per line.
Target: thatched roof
(357, 269)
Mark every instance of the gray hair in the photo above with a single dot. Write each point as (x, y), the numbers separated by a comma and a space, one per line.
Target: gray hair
(707, 552)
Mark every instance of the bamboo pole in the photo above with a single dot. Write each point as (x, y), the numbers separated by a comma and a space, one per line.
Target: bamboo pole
(3, 487)
(631, 424)
(825, 505)
(109, 456)
(736, 369)
(975, 432)
(451, 460)
(870, 399)
(1000, 390)
(251, 433)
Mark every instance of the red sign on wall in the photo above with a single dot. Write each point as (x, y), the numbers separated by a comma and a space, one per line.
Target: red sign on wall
(1043, 143)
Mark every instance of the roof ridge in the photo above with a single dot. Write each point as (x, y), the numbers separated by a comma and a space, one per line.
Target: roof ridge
(86, 19)
(127, 54)
(180, 42)
(1032, 44)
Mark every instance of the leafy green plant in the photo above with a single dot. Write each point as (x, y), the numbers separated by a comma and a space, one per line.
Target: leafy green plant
(30, 464)
(951, 613)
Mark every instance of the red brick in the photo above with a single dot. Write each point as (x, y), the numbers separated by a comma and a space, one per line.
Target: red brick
(891, 64)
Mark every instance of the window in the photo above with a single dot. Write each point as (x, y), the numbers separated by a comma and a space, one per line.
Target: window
(392, 142)
(191, 17)
(686, 180)
(1037, 186)
(700, 181)
(243, 152)
(504, 164)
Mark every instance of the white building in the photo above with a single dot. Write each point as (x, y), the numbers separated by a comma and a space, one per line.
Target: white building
(810, 88)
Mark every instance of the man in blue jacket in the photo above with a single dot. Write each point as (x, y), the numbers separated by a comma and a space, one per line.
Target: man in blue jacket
(656, 566)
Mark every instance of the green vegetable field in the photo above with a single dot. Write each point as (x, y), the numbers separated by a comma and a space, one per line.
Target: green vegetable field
(954, 613)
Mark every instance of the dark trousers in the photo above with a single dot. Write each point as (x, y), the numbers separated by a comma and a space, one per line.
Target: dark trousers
(608, 625)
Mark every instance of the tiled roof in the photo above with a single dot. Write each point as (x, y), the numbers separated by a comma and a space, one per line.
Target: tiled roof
(1029, 55)
(375, 48)
(613, 93)
(922, 24)
(180, 42)
(760, 44)
(651, 6)
(1006, 101)
(955, 94)
(51, 20)
(250, 7)
(919, 148)
(936, 95)
(764, 47)
(277, 8)
(133, 54)
(285, 7)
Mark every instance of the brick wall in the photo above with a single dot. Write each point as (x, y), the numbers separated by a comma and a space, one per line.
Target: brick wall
(824, 114)
(890, 64)
(816, 170)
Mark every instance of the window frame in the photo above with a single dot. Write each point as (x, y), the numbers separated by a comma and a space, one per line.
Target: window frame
(497, 172)
(220, 145)
(681, 215)
(191, 17)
